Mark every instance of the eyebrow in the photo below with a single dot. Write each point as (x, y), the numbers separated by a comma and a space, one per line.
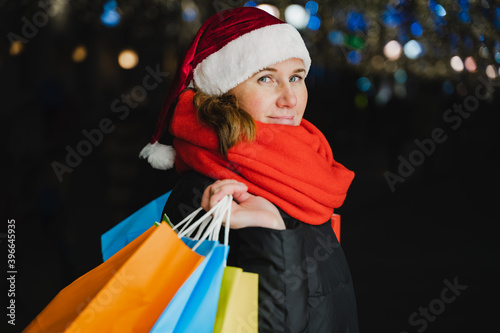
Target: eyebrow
(270, 69)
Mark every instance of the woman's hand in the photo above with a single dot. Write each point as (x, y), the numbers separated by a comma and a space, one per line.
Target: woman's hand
(248, 210)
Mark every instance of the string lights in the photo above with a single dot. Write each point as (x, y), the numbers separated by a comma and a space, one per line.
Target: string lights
(449, 41)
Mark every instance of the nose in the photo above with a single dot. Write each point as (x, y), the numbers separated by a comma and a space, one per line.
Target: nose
(287, 97)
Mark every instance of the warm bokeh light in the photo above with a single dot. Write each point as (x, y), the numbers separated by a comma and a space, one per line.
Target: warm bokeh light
(378, 62)
(440, 68)
(491, 72)
(470, 64)
(390, 66)
(128, 59)
(392, 50)
(79, 53)
(16, 48)
(457, 64)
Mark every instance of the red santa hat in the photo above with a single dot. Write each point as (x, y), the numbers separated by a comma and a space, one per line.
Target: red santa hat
(229, 48)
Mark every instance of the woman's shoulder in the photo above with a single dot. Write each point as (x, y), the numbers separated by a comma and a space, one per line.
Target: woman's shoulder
(191, 179)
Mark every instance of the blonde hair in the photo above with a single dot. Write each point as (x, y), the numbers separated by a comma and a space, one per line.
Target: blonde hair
(222, 113)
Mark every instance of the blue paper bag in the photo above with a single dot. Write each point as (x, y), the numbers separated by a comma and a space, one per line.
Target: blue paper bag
(129, 229)
(194, 306)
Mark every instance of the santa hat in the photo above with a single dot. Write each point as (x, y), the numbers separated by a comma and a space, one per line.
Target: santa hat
(229, 48)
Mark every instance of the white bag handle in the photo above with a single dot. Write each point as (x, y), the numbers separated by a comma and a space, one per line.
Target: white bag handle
(209, 224)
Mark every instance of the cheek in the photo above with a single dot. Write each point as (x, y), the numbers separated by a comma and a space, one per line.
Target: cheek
(254, 104)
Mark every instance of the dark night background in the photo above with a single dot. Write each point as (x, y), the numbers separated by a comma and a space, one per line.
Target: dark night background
(401, 245)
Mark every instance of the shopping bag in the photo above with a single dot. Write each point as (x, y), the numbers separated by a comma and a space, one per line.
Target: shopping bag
(126, 293)
(200, 305)
(174, 310)
(194, 306)
(335, 220)
(237, 310)
(131, 227)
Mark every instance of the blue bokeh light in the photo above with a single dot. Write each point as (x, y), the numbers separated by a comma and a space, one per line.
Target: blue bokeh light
(354, 57)
(312, 7)
(110, 16)
(391, 17)
(416, 29)
(189, 14)
(336, 37)
(413, 49)
(448, 87)
(364, 84)
(440, 11)
(314, 23)
(464, 17)
(403, 36)
(110, 5)
(464, 4)
(400, 76)
(497, 57)
(468, 42)
(355, 22)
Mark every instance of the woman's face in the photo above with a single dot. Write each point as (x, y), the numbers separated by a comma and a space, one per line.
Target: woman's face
(275, 95)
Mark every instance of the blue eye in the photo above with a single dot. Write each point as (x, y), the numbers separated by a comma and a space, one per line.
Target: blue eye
(295, 78)
(265, 79)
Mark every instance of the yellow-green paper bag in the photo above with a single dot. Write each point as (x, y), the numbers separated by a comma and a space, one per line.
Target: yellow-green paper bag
(238, 309)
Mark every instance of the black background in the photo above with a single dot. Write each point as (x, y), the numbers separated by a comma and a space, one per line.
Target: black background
(439, 224)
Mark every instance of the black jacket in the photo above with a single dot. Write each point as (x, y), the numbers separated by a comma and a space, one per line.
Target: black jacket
(304, 281)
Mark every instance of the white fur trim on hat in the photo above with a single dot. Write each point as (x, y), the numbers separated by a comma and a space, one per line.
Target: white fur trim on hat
(160, 156)
(243, 57)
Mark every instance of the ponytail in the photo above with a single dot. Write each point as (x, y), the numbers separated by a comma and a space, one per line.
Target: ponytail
(231, 123)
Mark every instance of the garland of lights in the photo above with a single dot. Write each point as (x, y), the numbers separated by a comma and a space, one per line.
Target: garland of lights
(447, 40)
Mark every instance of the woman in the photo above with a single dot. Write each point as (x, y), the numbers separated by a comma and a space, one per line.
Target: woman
(237, 129)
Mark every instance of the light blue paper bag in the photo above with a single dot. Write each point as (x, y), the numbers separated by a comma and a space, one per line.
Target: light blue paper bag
(194, 306)
(129, 229)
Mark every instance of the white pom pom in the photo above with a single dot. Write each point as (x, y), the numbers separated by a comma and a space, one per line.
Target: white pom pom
(160, 156)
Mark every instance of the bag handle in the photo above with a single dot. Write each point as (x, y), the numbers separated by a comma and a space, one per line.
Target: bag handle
(209, 224)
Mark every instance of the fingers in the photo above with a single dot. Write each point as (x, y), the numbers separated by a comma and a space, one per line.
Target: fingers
(215, 192)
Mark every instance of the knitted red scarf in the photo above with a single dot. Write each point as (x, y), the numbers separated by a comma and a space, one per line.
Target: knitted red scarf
(291, 166)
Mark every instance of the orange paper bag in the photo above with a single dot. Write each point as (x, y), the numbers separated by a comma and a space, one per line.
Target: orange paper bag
(126, 293)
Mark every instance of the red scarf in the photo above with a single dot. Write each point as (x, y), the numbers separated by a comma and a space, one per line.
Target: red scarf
(291, 166)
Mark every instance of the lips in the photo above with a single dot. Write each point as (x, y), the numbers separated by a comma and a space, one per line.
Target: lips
(283, 120)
